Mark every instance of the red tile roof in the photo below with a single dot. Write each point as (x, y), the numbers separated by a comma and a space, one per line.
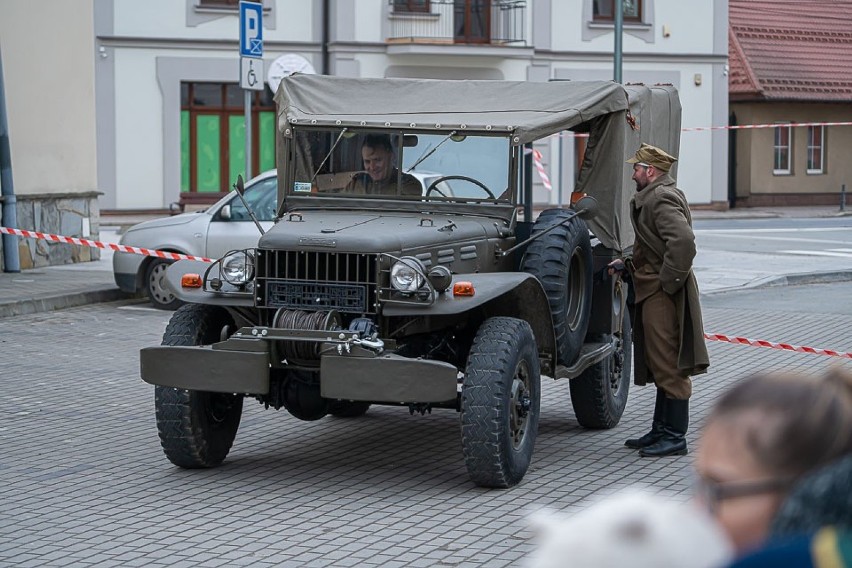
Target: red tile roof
(790, 50)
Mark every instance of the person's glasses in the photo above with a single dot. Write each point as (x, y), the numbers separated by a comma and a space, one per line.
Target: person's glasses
(712, 493)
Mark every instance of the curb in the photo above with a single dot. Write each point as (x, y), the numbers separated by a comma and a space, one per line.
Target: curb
(62, 301)
(788, 280)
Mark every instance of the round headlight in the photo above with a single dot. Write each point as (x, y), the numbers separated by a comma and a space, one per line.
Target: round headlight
(407, 274)
(238, 267)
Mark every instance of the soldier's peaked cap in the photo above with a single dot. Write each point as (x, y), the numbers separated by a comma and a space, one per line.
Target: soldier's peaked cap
(653, 156)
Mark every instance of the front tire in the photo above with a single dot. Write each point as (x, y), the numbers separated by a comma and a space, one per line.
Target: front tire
(500, 402)
(196, 428)
(562, 262)
(599, 394)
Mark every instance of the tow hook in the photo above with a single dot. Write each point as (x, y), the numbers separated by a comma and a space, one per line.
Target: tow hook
(375, 345)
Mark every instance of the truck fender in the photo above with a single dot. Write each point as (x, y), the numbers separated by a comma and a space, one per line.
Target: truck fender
(512, 294)
(175, 272)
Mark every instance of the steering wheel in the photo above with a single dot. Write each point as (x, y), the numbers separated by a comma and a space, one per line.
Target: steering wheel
(432, 186)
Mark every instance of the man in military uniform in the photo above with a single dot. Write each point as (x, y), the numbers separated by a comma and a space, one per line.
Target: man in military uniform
(667, 325)
(380, 174)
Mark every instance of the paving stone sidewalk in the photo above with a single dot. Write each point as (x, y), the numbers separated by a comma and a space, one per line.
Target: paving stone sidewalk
(86, 483)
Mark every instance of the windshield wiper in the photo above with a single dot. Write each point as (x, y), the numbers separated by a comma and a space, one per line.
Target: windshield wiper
(324, 160)
(430, 152)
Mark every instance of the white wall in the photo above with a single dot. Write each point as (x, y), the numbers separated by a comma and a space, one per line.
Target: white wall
(288, 21)
(138, 130)
(687, 51)
(49, 81)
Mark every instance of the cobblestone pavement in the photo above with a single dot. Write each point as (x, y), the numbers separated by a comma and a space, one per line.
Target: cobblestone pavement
(84, 481)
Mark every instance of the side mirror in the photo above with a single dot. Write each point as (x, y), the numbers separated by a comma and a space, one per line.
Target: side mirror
(239, 186)
(586, 207)
(225, 212)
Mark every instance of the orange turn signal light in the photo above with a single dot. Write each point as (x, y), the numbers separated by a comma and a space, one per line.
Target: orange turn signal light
(463, 289)
(190, 281)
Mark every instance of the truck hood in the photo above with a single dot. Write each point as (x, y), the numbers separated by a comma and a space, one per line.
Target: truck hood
(373, 232)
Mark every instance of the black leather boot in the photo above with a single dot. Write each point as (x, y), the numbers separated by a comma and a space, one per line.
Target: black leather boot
(656, 426)
(673, 440)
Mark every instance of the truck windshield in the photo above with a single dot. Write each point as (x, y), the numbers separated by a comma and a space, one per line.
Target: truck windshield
(347, 163)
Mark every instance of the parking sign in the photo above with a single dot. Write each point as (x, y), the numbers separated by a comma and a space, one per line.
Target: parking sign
(251, 29)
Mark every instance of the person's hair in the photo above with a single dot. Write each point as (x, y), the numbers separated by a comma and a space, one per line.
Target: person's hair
(377, 141)
(791, 423)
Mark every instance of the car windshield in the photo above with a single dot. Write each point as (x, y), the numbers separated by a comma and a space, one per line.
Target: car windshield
(347, 163)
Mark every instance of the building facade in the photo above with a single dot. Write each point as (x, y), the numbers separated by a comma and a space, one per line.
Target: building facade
(790, 68)
(160, 113)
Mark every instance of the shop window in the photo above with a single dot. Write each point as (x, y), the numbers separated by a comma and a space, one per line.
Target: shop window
(213, 135)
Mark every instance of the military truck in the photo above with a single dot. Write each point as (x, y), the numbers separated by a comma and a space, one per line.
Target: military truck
(453, 298)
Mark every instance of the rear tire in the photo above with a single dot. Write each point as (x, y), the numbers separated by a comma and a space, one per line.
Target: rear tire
(599, 394)
(155, 285)
(196, 428)
(500, 402)
(562, 262)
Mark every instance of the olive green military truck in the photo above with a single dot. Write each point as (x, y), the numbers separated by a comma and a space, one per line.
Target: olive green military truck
(455, 297)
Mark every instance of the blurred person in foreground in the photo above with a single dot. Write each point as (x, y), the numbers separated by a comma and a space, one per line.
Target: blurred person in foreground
(775, 459)
(668, 331)
(632, 528)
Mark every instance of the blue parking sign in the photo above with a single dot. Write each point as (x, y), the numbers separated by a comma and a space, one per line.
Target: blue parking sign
(251, 29)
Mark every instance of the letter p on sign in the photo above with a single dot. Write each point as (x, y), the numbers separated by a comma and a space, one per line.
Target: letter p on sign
(251, 29)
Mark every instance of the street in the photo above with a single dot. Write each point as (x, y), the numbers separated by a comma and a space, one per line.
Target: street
(85, 480)
(733, 250)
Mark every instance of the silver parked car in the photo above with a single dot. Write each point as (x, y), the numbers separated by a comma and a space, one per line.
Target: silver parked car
(211, 233)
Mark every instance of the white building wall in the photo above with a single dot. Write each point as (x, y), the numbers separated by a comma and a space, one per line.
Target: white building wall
(671, 48)
(138, 130)
(49, 83)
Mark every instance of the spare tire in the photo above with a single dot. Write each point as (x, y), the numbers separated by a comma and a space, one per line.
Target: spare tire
(562, 261)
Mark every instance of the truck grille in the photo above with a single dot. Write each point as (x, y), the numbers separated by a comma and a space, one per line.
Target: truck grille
(304, 280)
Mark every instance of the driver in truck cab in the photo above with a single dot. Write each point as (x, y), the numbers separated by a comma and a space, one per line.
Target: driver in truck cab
(380, 175)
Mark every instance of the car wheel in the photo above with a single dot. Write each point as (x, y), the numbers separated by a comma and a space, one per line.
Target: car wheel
(155, 285)
(599, 394)
(196, 428)
(500, 402)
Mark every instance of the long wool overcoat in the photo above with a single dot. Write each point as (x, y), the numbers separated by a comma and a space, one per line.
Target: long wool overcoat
(663, 226)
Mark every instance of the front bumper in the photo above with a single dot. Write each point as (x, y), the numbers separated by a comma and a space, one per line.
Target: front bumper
(348, 371)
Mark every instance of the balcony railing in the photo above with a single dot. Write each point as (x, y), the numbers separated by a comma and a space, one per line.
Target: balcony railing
(482, 22)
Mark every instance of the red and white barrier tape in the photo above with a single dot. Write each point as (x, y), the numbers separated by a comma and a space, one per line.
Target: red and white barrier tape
(542, 173)
(726, 127)
(98, 244)
(771, 345)
(771, 125)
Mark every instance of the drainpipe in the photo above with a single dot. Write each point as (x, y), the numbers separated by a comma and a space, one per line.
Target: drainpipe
(326, 25)
(11, 261)
(618, 8)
